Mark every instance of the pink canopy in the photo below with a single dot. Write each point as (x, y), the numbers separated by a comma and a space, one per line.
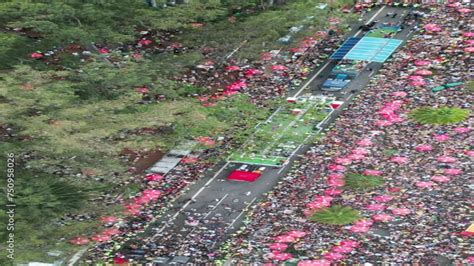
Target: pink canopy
(232, 68)
(278, 246)
(469, 42)
(363, 223)
(383, 123)
(468, 34)
(282, 256)
(376, 207)
(440, 178)
(154, 177)
(333, 256)
(79, 240)
(36, 55)
(423, 72)
(423, 148)
(424, 184)
(401, 211)
(279, 68)
(335, 182)
(464, 10)
(323, 199)
(349, 243)
(103, 51)
(297, 234)
(318, 205)
(383, 198)
(452, 171)
(364, 142)
(284, 239)
(343, 161)
(441, 137)
(399, 94)
(469, 153)
(252, 72)
(417, 83)
(337, 167)
(469, 49)
(236, 86)
(382, 217)
(432, 27)
(355, 157)
(359, 229)
(461, 130)
(360, 151)
(342, 249)
(422, 63)
(110, 231)
(100, 238)
(333, 191)
(321, 262)
(109, 219)
(446, 159)
(151, 193)
(415, 77)
(335, 176)
(399, 159)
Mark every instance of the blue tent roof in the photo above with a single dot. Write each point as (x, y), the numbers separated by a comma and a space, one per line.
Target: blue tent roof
(373, 49)
(345, 48)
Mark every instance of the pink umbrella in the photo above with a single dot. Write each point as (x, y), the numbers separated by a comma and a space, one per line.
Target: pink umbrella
(278, 246)
(103, 51)
(111, 231)
(464, 10)
(79, 240)
(446, 159)
(349, 243)
(36, 55)
(355, 157)
(423, 72)
(333, 191)
(469, 49)
(132, 206)
(452, 171)
(422, 63)
(363, 223)
(415, 77)
(417, 83)
(453, 4)
(279, 68)
(359, 229)
(383, 123)
(252, 72)
(337, 167)
(376, 207)
(232, 68)
(401, 211)
(364, 142)
(440, 178)
(333, 256)
(461, 130)
(324, 199)
(285, 239)
(154, 177)
(423, 148)
(151, 193)
(141, 200)
(469, 153)
(318, 205)
(399, 159)
(383, 198)
(142, 90)
(360, 151)
(321, 262)
(432, 27)
(424, 184)
(468, 34)
(469, 42)
(342, 249)
(282, 256)
(100, 238)
(343, 161)
(228, 93)
(335, 176)
(109, 219)
(382, 217)
(399, 94)
(335, 183)
(296, 233)
(372, 172)
(441, 137)
(144, 42)
(394, 189)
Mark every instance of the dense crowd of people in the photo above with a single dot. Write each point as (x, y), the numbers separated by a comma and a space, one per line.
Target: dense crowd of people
(421, 213)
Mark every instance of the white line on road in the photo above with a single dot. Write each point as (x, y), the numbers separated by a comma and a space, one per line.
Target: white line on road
(240, 214)
(220, 201)
(371, 19)
(76, 257)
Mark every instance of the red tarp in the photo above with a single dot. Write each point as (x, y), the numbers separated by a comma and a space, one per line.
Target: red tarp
(243, 176)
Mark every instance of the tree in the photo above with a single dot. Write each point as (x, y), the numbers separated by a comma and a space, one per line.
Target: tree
(439, 116)
(335, 215)
(362, 182)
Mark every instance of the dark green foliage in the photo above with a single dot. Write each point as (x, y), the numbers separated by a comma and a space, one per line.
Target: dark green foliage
(439, 116)
(362, 182)
(335, 215)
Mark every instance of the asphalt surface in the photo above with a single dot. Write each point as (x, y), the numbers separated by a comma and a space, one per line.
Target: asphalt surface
(218, 205)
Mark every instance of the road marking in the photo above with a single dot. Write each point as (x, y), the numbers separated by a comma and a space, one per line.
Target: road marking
(225, 196)
(311, 80)
(76, 257)
(240, 214)
(371, 19)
